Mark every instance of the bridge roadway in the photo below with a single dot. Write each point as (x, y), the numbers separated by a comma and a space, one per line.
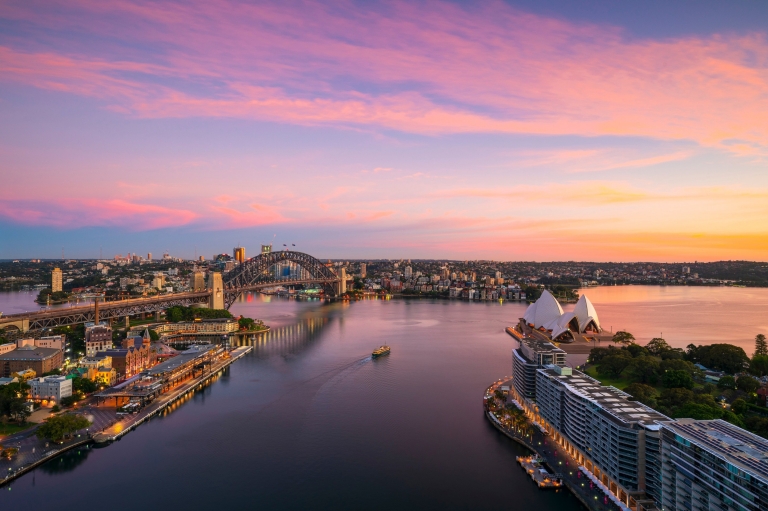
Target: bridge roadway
(52, 318)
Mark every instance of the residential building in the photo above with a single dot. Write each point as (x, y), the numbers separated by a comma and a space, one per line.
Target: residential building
(158, 282)
(532, 355)
(56, 280)
(363, 270)
(97, 338)
(712, 465)
(50, 388)
(39, 360)
(604, 429)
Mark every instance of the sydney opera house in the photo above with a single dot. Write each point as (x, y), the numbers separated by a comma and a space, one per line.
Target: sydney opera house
(547, 316)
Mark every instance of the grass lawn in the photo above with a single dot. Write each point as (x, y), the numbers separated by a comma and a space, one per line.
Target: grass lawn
(619, 383)
(13, 427)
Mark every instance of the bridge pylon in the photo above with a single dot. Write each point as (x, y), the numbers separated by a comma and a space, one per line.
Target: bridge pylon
(216, 287)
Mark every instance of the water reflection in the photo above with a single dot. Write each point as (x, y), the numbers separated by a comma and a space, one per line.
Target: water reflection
(286, 340)
(67, 462)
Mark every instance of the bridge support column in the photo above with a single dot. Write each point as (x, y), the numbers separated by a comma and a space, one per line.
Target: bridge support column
(127, 322)
(216, 287)
(157, 316)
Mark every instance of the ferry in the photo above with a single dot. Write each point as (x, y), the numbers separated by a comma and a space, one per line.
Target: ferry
(380, 352)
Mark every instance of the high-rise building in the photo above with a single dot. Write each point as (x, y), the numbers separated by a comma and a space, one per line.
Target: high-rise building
(408, 273)
(149, 256)
(201, 259)
(609, 433)
(159, 281)
(56, 280)
(363, 269)
(239, 254)
(197, 281)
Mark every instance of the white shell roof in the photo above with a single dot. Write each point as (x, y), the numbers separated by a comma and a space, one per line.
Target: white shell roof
(545, 310)
(585, 312)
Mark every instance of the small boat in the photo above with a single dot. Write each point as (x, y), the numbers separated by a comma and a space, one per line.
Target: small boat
(380, 352)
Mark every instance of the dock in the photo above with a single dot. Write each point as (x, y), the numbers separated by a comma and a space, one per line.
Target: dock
(165, 400)
(543, 479)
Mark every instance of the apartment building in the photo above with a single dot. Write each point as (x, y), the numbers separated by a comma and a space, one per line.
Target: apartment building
(531, 356)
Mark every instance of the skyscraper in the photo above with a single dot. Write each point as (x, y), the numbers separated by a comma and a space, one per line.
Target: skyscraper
(149, 256)
(56, 280)
(363, 269)
(239, 253)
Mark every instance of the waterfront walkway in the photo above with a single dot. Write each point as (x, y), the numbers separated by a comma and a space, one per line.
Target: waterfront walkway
(556, 460)
(105, 425)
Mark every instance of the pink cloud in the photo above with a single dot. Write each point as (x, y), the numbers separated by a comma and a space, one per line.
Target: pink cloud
(437, 68)
(68, 214)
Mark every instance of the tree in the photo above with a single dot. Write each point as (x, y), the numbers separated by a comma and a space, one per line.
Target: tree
(677, 378)
(83, 385)
(153, 336)
(697, 411)
(674, 398)
(643, 370)
(636, 350)
(739, 406)
(759, 365)
(613, 365)
(245, 323)
(657, 346)
(726, 382)
(643, 393)
(747, 384)
(622, 337)
(56, 428)
(13, 397)
(723, 357)
(596, 355)
(761, 345)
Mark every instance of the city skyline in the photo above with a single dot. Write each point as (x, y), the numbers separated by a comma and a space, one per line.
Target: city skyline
(507, 131)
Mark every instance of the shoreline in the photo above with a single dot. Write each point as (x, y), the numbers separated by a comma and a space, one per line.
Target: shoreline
(596, 505)
(132, 422)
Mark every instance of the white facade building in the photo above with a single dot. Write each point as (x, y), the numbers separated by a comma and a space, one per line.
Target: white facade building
(50, 388)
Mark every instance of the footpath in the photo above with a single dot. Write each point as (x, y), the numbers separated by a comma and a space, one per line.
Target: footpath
(555, 459)
(105, 425)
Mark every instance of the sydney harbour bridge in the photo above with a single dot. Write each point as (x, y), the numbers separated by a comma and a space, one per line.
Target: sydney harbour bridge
(223, 290)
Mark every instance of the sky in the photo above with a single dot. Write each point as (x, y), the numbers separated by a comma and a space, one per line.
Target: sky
(530, 130)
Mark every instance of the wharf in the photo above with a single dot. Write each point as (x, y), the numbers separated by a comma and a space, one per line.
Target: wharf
(161, 403)
(594, 497)
(539, 474)
(28, 459)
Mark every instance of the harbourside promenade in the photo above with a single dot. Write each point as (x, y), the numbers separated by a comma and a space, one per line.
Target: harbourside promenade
(590, 493)
(105, 426)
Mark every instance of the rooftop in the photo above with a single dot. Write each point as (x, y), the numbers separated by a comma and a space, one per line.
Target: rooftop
(738, 447)
(181, 359)
(30, 353)
(539, 345)
(617, 404)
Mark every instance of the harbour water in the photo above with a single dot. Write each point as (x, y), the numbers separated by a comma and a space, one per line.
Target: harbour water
(308, 420)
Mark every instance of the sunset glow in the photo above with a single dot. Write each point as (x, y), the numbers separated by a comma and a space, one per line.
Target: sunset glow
(386, 129)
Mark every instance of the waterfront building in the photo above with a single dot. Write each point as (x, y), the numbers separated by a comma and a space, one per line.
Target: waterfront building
(97, 338)
(50, 388)
(532, 355)
(605, 430)
(220, 326)
(56, 280)
(712, 465)
(547, 316)
(39, 360)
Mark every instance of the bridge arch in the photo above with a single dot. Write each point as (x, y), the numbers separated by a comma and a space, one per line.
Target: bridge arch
(255, 273)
